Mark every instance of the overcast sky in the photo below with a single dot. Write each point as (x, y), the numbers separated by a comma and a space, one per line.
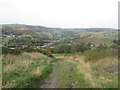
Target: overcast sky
(60, 13)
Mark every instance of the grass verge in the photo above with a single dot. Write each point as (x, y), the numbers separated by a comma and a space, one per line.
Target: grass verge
(69, 77)
(23, 71)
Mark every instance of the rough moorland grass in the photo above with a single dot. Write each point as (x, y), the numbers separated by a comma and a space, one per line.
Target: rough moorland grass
(69, 77)
(104, 79)
(23, 71)
(98, 54)
(94, 56)
(98, 78)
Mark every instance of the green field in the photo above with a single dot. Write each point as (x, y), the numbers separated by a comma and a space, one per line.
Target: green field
(6, 40)
(110, 34)
(98, 37)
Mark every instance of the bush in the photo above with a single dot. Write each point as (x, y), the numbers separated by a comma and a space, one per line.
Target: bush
(114, 46)
(75, 48)
(17, 51)
(94, 56)
(6, 50)
(62, 49)
(79, 48)
(29, 49)
(45, 52)
(99, 53)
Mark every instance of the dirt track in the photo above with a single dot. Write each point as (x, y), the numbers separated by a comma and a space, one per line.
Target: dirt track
(50, 81)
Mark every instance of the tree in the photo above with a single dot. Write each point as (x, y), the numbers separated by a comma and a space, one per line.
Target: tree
(89, 44)
(115, 41)
(62, 48)
(79, 48)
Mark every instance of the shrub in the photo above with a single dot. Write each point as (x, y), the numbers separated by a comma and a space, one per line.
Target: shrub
(100, 53)
(94, 56)
(79, 48)
(6, 50)
(17, 51)
(62, 49)
(29, 49)
(75, 48)
(45, 52)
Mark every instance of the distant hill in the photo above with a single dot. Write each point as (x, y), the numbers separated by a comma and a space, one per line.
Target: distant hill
(47, 34)
(58, 33)
(32, 30)
(17, 29)
(43, 28)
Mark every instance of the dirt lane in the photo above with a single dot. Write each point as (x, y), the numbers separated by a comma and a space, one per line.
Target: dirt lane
(50, 81)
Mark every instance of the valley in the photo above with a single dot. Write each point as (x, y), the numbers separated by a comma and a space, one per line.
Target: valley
(46, 57)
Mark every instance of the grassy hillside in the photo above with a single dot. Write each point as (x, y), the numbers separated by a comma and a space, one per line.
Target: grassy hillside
(25, 70)
(86, 57)
(110, 34)
(98, 37)
(45, 35)
(95, 40)
(95, 73)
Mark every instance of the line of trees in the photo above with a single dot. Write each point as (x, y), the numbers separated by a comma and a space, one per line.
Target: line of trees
(75, 48)
(17, 51)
